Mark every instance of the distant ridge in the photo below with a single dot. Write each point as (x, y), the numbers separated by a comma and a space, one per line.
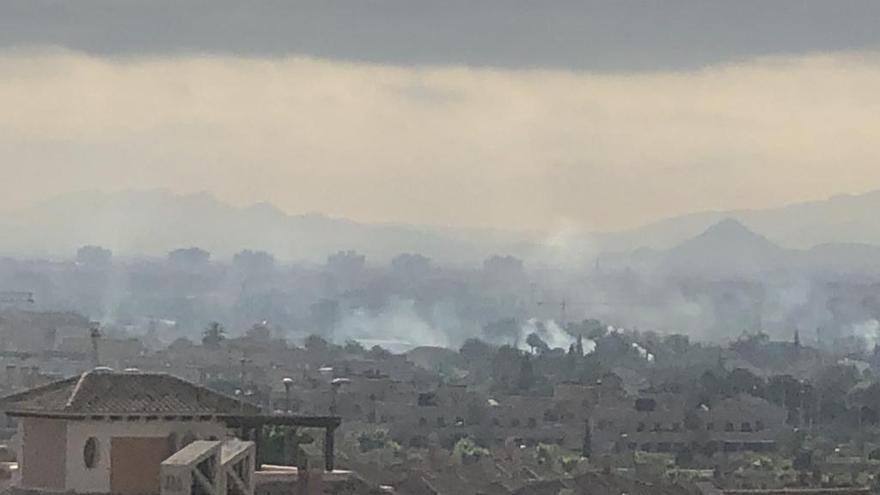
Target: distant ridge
(730, 250)
(725, 248)
(839, 219)
(151, 223)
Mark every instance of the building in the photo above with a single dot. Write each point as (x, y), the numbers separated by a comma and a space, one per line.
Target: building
(138, 433)
(660, 422)
(107, 432)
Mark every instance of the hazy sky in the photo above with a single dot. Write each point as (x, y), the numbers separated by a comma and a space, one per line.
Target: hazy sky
(514, 114)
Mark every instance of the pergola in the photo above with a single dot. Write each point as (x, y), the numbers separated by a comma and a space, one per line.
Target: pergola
(251, 427)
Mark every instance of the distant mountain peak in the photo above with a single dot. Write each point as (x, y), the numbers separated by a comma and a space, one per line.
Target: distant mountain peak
(727, 246)
(729, 232)
(730, 228)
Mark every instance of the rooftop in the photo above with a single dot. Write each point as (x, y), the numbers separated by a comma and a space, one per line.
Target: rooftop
(101, 392)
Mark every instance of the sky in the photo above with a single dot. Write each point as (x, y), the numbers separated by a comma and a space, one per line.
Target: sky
(508, 114)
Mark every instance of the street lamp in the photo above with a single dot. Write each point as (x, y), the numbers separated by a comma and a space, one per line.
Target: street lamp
(335, 384)
(288, 382)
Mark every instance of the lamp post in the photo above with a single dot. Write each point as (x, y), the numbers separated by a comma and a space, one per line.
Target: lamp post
(335, 385)
(288, 382)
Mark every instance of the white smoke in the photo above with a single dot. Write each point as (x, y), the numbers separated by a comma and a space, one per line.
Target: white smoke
(397, 327)
(869, 332)
(552, 334)
(647, 356)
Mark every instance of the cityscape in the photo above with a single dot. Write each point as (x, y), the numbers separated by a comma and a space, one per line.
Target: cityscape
(411, 247)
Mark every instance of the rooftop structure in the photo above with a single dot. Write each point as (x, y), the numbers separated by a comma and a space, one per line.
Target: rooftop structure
(100, 392)
(111, 432)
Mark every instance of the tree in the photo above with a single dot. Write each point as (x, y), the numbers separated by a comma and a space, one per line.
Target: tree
(475, 350)
(94, 256)
(213, 335)
(832, 387)
(526, 378)
(316, 343)
(254, 262)
(378, 353)
(354, 347)
(260, 331)
(505, 367)
(189, 257)
(536, 343)
(466, 451)
(579, 346)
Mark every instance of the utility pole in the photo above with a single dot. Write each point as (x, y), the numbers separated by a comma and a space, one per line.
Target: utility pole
(335, 385)
(563, 315)
(288, 382)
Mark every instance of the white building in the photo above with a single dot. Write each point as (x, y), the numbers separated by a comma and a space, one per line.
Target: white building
(108, 432)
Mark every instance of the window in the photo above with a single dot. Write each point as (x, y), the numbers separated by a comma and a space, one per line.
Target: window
(441, 421)
(728, 426)
(514, 423)
(657, 427)
(90, 453)
(710, 426)
(746, 426)
(640, 427)
(423, 422)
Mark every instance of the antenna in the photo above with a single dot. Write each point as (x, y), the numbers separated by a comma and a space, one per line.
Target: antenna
(562, 315)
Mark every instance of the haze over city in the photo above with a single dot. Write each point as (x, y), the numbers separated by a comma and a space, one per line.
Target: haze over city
(492, 247)
(590, 116)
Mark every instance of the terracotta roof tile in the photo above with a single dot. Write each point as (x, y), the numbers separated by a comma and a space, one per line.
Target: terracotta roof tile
(128, 393)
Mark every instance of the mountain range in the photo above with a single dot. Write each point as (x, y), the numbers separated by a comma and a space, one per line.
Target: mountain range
(842, 230)
(153, 222)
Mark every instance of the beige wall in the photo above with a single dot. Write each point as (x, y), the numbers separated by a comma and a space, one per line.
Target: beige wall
(43, 453)
(135, 464)
(98, 479)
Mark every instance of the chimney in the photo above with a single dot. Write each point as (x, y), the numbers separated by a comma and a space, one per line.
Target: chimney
(95, 335)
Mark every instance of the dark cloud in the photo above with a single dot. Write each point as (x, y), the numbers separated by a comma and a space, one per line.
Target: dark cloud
(604, 35)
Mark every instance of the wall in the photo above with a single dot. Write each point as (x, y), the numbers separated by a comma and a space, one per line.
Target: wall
(42, 453)
(97, 479)
(135, 462)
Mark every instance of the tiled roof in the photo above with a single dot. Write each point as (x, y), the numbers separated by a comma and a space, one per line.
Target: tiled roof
(126, 393)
